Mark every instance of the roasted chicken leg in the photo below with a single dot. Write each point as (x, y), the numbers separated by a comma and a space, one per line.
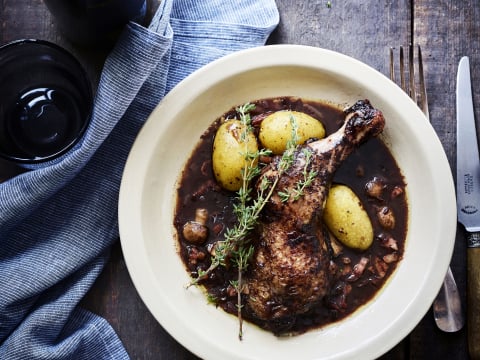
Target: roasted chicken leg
(290, 269)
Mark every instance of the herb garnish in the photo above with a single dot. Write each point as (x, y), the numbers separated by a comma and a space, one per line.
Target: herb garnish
(235, 248)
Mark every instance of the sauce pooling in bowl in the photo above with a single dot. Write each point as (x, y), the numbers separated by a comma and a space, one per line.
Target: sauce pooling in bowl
(356, 276)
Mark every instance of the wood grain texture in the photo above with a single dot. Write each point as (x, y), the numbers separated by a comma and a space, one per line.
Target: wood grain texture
(473, 294)
(363, 29)
(446, 30)
(352, 28)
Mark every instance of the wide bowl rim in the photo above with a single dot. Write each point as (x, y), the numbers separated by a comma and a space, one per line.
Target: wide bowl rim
(301, 56)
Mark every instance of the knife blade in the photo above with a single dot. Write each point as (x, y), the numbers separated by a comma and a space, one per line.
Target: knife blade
(468, 199)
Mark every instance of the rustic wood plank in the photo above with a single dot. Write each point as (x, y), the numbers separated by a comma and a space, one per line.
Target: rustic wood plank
(363, 29)
(446, 31)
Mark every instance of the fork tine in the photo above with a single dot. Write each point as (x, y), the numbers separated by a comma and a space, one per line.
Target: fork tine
(392, 65)
(403, 83)
(411, 74)
(423, 88)
(415, 85)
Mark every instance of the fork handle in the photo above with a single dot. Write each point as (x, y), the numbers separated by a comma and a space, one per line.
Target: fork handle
(473, 300)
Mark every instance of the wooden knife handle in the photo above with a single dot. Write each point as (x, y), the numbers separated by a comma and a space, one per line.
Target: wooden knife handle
(473, 302)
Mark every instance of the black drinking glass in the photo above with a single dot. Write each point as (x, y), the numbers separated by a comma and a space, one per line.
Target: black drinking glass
(45, 101)
(93, 22)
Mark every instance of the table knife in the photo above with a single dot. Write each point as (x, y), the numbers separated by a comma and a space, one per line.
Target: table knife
(468, 199)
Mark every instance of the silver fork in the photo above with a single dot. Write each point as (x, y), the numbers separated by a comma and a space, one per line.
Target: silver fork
(447, 306)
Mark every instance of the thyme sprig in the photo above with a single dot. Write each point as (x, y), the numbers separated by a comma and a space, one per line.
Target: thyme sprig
(247, 209)
(235, 248)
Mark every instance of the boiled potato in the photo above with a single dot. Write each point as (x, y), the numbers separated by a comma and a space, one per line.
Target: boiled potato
(346, 218)
(229, 152)
(276, 129)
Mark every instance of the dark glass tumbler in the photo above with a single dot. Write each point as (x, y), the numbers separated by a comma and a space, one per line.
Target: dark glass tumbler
(45, 101)
(94, 22)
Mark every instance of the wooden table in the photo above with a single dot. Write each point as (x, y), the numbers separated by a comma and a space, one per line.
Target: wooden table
(363, 29)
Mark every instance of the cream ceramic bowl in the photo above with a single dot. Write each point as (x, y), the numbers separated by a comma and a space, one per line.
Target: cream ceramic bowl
(147, 199)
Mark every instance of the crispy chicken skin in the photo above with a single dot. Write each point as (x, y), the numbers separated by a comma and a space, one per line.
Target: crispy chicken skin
(290, 269)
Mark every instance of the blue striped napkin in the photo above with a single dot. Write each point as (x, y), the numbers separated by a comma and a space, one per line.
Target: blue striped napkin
(58, 222)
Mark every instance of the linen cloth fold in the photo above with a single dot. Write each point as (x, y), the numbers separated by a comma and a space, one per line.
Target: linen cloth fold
(58, 222)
